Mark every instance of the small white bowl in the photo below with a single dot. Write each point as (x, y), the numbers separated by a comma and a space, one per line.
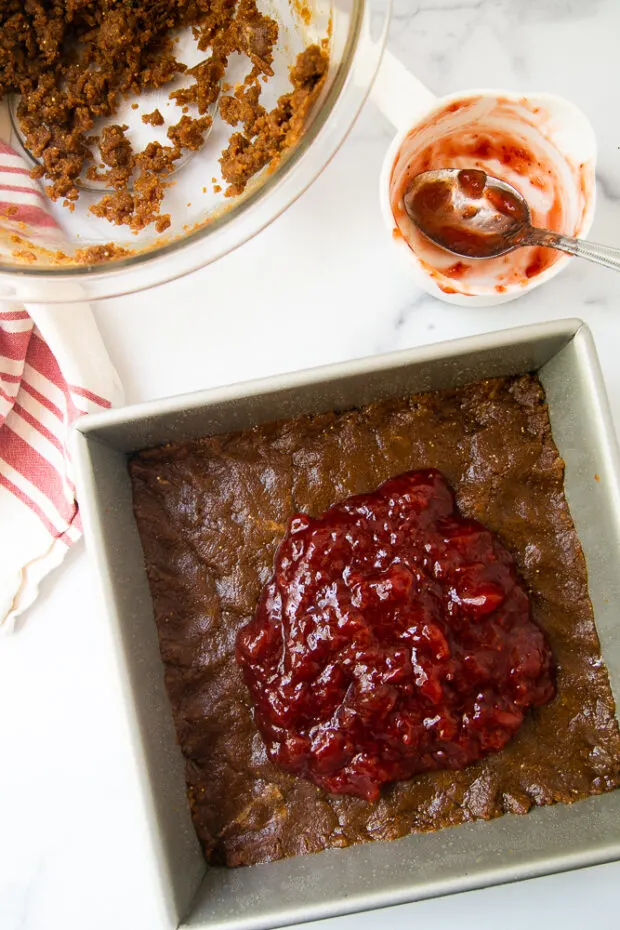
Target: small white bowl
(558, 181)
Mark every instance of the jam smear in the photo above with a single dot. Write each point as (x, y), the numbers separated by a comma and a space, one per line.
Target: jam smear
(395, 637)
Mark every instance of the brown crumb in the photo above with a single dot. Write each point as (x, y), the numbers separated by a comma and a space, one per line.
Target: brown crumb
(97, 254)
(269, 134)
(163, 222)
(115, 148)
(243, 108)
(154, 119)
(26, 256)
(188, 133)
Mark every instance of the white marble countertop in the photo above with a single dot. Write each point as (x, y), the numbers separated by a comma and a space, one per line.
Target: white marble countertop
(320, 285)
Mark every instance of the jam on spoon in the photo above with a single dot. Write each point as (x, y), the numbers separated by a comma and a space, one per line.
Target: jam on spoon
(474, 215)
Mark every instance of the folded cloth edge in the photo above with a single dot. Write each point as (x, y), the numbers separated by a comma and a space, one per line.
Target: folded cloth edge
(25, 588)
(71, 334)
(77, 341)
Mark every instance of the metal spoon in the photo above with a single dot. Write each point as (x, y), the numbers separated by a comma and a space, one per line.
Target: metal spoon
(474, 215)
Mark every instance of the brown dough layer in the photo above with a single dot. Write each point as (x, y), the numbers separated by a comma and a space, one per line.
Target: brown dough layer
(211, 514)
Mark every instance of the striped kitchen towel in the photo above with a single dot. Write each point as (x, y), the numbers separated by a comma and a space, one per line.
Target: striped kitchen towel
(53, 369)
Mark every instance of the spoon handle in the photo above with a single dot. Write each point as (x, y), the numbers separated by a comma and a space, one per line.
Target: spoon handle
(601, 254)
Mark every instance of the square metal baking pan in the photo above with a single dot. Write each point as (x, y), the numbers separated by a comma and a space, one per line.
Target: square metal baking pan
(376, 874)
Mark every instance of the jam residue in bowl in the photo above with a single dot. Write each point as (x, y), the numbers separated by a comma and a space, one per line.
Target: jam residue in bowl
(524, 141)
(395, 637)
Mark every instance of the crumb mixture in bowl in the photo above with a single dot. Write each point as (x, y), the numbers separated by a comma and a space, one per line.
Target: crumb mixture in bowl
(172, 175)
(75, 64)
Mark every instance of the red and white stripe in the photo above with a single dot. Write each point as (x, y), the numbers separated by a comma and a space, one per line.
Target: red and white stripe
(21, 198)
(37, 403)
(37, 406)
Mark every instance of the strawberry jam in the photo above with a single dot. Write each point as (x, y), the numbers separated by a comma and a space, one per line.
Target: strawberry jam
(394, 637)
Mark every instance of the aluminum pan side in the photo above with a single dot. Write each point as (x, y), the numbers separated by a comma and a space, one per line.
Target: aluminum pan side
(330, 387)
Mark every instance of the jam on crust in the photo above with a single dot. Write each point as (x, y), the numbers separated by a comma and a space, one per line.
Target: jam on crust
(211, 515)
(394, 638)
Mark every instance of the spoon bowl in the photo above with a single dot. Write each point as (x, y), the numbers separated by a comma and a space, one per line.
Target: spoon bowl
(476, 216)
(467, 212)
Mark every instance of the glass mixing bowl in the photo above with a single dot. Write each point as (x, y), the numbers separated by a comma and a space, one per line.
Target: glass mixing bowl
(205, 224)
